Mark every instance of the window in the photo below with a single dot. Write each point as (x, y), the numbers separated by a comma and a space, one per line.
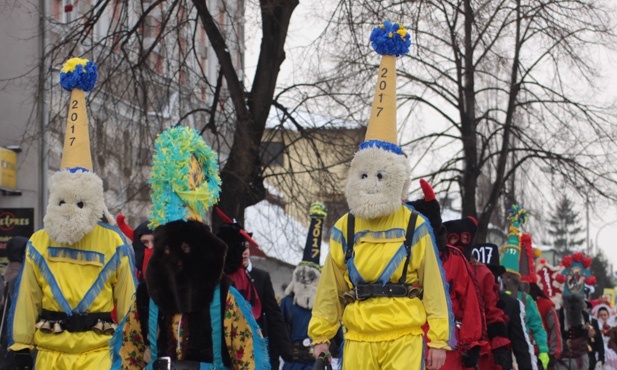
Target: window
(272, 153)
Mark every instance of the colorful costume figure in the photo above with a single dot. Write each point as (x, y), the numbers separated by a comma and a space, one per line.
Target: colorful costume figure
(300, 295)
(141, 237)
(573, 318)
(79, 265)
(185, 314)
(518, 262)
(606, 355)
(256, 287)
(467, 305)
(487, 256)
(522, 348)
(383, 259)
(546, 308)
(495, 353)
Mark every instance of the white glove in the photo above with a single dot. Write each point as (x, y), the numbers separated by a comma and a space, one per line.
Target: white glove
(600, 365)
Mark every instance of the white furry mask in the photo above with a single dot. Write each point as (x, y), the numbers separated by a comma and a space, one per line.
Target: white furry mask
(75, 206)
(378, 180)
(303, 285)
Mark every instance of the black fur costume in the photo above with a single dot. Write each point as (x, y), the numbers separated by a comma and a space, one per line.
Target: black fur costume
(186, 264)
(182, 274)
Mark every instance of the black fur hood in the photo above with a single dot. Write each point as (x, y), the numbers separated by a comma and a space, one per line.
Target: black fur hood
(186, 264)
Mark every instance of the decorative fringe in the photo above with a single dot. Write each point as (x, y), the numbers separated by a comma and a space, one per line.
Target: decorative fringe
(76, 254)
(354, 274)
(38, 260)
(78, 73)
(260, 344)
(14, 298)
(381, 145)
(153, 323)
(337, 236)
(422, 231)
(396, 233)
(171, 178)
(109, 269)
(115, 343)
(390, 39)
(126, 249)
(396, 260)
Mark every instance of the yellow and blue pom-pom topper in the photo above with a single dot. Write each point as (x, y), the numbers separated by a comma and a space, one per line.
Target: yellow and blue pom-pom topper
(77, 76)
(390, 40)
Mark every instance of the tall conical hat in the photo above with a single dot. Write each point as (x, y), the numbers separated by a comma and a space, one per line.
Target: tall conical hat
(77, 76)
(312, 248)
(184, 179)
(510, 258)
(390, 40)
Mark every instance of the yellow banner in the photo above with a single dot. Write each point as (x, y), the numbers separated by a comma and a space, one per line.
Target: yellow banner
(609, 294)
(8, 169)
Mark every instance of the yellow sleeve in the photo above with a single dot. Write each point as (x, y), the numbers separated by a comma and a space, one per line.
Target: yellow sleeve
(327, 310)
(436, 297)
(125, 285)
(26, 308)
(133, 345)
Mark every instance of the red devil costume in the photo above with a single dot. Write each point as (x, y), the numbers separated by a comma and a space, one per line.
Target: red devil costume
(464, 292)
(460, 234)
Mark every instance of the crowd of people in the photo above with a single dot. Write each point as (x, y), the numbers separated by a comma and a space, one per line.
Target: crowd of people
(399, 289)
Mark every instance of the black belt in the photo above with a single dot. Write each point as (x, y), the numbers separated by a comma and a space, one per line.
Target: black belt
(302, 353)
(165, 363)
(364, 291)
(76, 322)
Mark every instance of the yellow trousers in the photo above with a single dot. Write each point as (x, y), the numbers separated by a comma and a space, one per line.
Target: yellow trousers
(405, 353)
(92, 360)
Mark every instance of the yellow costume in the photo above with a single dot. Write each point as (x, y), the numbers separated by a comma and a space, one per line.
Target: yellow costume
(379, 257)
(90, 276)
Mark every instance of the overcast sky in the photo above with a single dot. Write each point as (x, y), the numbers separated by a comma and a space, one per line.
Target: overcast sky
(305, 28)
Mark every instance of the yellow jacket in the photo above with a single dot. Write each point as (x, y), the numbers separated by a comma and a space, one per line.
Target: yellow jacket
(379, 250)
(89, 276)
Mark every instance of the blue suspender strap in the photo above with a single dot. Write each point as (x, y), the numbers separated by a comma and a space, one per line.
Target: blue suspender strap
(153, 323)
(217, 334)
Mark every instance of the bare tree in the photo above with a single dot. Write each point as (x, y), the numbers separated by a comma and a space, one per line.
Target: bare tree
(506, 83)
(180, 62)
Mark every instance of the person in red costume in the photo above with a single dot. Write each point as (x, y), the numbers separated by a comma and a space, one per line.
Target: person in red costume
(495, 355)
(464, 292)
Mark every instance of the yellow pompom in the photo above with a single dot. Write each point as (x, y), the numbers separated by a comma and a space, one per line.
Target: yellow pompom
(537, 253)
(70, 64)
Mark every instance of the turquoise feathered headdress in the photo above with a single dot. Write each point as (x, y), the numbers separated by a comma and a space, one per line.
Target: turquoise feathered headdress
(184, 179)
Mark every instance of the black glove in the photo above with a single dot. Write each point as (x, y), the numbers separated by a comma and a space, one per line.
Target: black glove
(23, 359)
(500, 356)
(471, 357)
(287, 355)
(552, 362)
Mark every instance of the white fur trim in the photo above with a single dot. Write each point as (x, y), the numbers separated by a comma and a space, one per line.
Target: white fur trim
(67, 223)
(370, 196)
